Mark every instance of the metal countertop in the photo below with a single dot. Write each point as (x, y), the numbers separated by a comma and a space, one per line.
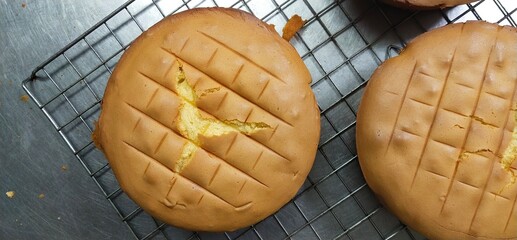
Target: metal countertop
(31, 153)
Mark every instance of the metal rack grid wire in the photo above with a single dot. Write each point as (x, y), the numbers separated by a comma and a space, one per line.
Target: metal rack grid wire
(341, 43)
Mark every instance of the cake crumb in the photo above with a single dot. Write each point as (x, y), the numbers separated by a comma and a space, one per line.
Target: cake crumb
(41, 196)
(271, 27)
(24, 98)
(293, 25)
(209, 91)
(24, 5)
(10, 194)
(64, 167)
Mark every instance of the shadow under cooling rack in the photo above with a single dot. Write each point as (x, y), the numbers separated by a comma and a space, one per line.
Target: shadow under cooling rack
(342, 43)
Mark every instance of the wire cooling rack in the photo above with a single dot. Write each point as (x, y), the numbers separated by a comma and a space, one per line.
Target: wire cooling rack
(342, 43)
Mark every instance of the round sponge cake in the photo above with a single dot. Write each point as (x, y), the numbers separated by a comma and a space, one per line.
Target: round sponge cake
(426, 4)
(208, 120)
(436, 132)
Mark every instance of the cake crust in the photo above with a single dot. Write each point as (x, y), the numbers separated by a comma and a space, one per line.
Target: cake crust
(436, 132)
(208, 120)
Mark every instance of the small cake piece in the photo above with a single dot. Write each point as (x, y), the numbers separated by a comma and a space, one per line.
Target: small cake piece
(10, 194)
(426, 4)
(293, 25)
(208, 120)
(437, 132)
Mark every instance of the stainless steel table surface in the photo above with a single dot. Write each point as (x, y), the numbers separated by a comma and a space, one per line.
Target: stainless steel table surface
(31, 153)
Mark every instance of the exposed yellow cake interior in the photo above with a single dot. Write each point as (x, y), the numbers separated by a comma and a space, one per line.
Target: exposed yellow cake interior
(191, 124)
(509, 156)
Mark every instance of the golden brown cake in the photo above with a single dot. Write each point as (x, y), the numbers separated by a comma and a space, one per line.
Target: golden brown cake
(208, 120)
(426, 4)
(436, 132)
